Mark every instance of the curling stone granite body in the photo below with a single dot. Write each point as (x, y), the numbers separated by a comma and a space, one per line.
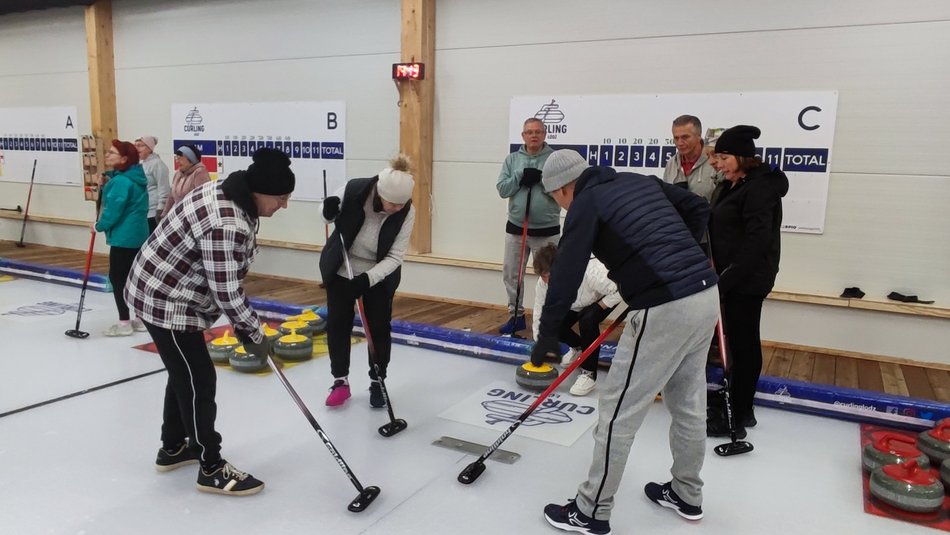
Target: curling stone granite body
(531, 377)
(243, 362)
(300, 327)
(271, 334)
(294, 346)
(891, 448)
(908, 487)
(222, 349)
(316, 322)
(935, 443)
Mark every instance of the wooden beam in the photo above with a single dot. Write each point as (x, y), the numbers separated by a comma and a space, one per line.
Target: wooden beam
(101, 61)
(416, 105)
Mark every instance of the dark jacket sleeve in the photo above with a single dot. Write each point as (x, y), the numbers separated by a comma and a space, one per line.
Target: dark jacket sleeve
(757, 215)
(567, 272)
(692, 208)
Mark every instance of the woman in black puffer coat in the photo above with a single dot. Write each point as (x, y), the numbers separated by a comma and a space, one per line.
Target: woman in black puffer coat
(745, 228)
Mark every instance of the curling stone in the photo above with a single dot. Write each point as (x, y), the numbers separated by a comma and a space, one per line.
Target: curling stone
(271, 334)
(300, 327)
(891, 448)
(907, 487)
(945, 473)
(935, 443)
(243, 362)
(531, 377)
(294, 346)
(316, 322)
(221, 349)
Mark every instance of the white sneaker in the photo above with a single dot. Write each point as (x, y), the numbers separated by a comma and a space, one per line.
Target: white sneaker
(138, 326)
(119, 330)
(569, 357)
(583, 385)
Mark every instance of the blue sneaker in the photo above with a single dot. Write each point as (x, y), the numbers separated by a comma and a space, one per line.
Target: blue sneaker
(570, 518)
(513, 325)
(664, 496)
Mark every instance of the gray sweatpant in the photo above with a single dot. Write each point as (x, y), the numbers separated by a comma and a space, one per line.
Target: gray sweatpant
(662, 348)
(509, 270)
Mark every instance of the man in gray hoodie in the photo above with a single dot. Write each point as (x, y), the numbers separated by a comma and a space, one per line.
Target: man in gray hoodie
(519, 175)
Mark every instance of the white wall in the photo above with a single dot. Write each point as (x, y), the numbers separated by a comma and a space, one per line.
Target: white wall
(886, 227)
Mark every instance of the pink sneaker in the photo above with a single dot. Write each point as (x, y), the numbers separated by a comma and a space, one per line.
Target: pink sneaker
(339, 393)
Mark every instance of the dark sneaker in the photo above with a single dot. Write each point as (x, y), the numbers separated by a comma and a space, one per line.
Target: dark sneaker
(513, 325)
(570, 518)
(228, 480)
(664, 496)
(376, 399)
(168, 460)
(719, 427)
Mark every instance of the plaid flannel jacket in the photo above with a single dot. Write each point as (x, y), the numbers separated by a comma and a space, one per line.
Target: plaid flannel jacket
(190, 270)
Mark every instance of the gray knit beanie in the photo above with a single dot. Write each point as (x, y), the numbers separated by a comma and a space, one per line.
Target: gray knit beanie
(561, 168)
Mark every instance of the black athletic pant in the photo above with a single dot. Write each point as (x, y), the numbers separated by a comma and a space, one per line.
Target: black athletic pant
(152, 224)
(741, 317)
(588, 321)
(120, 264)
(190, 409)
(378, 303)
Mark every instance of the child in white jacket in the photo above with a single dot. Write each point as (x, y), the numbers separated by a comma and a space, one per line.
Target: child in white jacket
(596, 299)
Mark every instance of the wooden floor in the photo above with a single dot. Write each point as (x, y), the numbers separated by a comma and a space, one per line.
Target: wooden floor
(904, 379)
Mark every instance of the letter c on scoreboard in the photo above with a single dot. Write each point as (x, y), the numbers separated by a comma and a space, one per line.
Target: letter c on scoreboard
(801, 118)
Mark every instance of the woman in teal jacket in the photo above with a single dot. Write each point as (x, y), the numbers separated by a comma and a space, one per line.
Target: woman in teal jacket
(124, 219)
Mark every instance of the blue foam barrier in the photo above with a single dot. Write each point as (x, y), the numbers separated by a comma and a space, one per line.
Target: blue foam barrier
(71, 277)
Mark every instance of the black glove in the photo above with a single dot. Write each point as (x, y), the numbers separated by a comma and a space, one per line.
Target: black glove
(359, 284)
(545, 347)
(331, 208)
(259, 350)
(530, 176)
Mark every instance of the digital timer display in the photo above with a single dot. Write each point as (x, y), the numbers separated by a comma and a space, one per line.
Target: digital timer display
(409, 71)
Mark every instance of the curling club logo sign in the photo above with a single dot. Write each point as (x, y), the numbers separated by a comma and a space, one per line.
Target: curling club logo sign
(553, 118)
(505, 406)
(194, 122)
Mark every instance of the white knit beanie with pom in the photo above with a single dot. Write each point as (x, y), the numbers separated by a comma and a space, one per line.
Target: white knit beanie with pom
(395, 183)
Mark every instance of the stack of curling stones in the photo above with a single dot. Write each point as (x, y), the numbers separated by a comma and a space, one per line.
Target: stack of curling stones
(900, 469)
(222, 349)
(536, 378)
(294, 346)
(296, 327)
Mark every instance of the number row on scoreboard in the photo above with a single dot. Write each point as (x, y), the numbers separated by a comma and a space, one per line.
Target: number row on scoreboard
(330, 150)
(43, 144)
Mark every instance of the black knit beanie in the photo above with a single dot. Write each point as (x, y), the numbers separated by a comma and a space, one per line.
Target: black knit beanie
(737, 141)
(270, 173)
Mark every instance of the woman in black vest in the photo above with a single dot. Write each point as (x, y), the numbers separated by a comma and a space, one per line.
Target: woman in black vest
(374, 217)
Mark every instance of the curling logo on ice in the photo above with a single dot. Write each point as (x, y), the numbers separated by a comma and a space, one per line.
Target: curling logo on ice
(46, 308)
(508, 405)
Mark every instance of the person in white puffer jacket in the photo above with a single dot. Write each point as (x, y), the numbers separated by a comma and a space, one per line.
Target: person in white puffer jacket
(596, 299)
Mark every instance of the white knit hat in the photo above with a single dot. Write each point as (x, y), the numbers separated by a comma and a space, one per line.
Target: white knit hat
(395, 186)
(561, 168)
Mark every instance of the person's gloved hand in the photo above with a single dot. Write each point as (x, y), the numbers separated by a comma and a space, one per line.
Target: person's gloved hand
(530, 176)
(331, 208)
(359, 284)
(259, 350)
(545, 347)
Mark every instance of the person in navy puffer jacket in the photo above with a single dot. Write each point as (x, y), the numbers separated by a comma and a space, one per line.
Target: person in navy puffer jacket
(646, 232)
